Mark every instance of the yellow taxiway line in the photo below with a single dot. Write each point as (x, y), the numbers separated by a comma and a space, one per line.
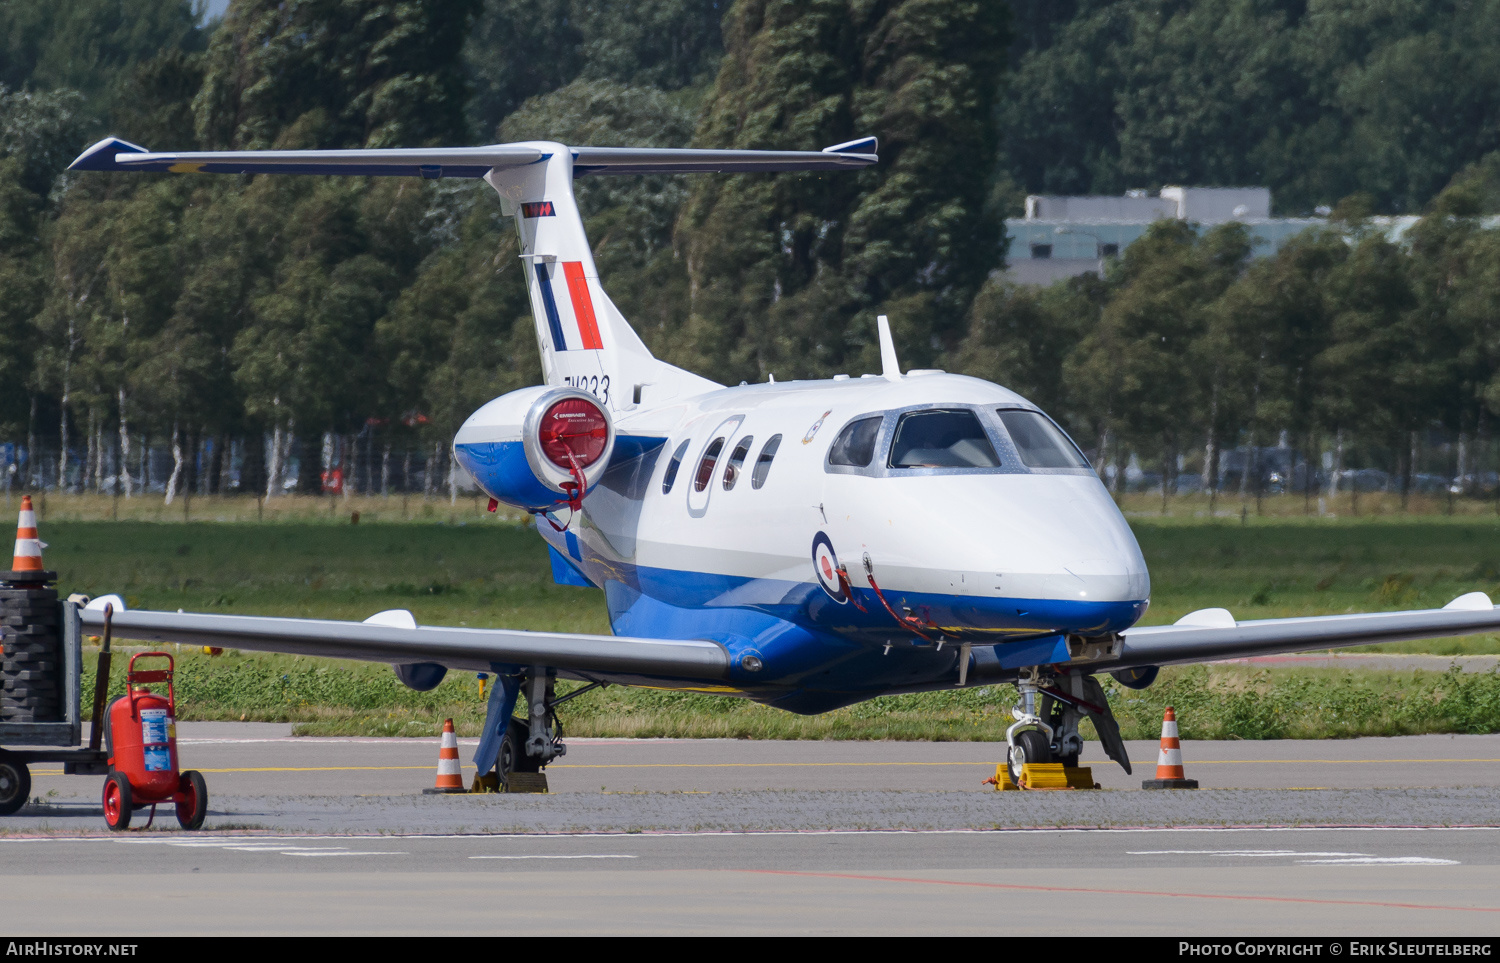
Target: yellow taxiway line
(59, 772)
(802, 765)
(791, 765)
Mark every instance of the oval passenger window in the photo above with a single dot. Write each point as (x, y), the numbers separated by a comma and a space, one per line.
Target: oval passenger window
(706, 466)
(737, 461)
(672, 466)
(763, 463)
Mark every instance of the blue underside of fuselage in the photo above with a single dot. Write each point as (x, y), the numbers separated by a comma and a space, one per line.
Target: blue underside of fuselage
(817, 653)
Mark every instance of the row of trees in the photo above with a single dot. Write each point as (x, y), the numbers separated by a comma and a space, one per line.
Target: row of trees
(1381, 351)
(200, 310)
(273, 321)
(1317, 99)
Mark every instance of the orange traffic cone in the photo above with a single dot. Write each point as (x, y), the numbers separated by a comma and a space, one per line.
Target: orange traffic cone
(26, 566)
(449, 779)
(1169, 774)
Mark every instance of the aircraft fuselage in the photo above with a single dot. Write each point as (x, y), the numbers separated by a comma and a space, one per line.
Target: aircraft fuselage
(698, 531)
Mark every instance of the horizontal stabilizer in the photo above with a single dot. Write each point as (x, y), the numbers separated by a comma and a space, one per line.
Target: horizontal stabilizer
(113, 154)
(604, 657)
(432, 163)
(636, 160)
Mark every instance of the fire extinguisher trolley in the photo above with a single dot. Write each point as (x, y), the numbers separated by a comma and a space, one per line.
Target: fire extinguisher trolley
(143, 771)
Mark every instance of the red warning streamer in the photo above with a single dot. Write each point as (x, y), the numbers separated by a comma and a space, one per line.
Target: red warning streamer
(907, 622)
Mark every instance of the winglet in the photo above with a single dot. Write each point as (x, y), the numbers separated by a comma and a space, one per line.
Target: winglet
(864, 145)
(890, 368)
(101, 157)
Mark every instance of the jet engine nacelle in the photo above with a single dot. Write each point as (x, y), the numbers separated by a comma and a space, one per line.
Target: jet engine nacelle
(538, 448)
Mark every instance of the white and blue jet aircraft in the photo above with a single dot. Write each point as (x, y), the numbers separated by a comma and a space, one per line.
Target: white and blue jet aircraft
(806, 544)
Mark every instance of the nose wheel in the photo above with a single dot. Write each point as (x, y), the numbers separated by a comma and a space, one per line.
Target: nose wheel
(1028, 746)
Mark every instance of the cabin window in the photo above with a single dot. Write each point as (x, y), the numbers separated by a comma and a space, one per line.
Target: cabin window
(672, 466)
(763, 463)
(737, 461)
(1039, 442)
(944, 438)
(855, 445)
(706, 466)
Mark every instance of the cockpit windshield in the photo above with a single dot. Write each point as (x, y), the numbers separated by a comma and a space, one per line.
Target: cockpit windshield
(1039, 442)
(941, 438)
(855, 445)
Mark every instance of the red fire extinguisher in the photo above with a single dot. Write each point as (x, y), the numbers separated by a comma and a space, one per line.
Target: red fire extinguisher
(142, 729)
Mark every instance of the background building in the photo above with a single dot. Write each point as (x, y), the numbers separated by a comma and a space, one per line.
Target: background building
(1063, 236)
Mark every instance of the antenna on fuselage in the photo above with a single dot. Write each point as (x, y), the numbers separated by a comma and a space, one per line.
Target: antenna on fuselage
(890, 369)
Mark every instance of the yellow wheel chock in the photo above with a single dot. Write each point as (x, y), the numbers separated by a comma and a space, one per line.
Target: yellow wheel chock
(1044, 775)
(535, 782)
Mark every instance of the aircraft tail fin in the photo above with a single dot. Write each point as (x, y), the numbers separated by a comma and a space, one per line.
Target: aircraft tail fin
(585, 341)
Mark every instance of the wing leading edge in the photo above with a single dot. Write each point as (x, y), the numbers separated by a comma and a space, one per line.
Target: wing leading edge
(602, 657)
(1201, 637)
(1214, 634)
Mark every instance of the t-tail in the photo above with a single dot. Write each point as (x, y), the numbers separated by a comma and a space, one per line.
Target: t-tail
(585, 341)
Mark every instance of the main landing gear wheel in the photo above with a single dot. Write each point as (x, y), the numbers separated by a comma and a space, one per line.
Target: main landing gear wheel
(117, 803)
(15, 784)
(513, 757)
(192, 809)
(1031, 746)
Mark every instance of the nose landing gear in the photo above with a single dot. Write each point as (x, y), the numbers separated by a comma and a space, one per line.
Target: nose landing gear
(1046, 728)
(1029, 739)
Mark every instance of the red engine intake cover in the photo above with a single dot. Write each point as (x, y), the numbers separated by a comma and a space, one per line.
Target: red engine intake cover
(573, 433)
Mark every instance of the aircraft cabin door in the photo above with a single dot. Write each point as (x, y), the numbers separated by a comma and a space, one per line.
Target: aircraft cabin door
(709, 466)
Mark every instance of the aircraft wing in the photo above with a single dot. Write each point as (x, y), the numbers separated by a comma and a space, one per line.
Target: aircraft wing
(114, 154)
(597, 657)
(1213, 634)
(1204, 636)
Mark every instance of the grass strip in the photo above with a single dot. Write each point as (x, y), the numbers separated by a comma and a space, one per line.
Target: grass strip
(491, 572)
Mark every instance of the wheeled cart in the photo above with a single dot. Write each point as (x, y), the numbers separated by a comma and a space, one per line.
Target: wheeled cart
(43, 660)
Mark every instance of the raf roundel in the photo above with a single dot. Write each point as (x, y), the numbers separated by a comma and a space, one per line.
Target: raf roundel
(826, 565)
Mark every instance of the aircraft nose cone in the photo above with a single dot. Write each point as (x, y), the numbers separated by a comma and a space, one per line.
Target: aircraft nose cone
(1112, 577)
(1074, 537)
